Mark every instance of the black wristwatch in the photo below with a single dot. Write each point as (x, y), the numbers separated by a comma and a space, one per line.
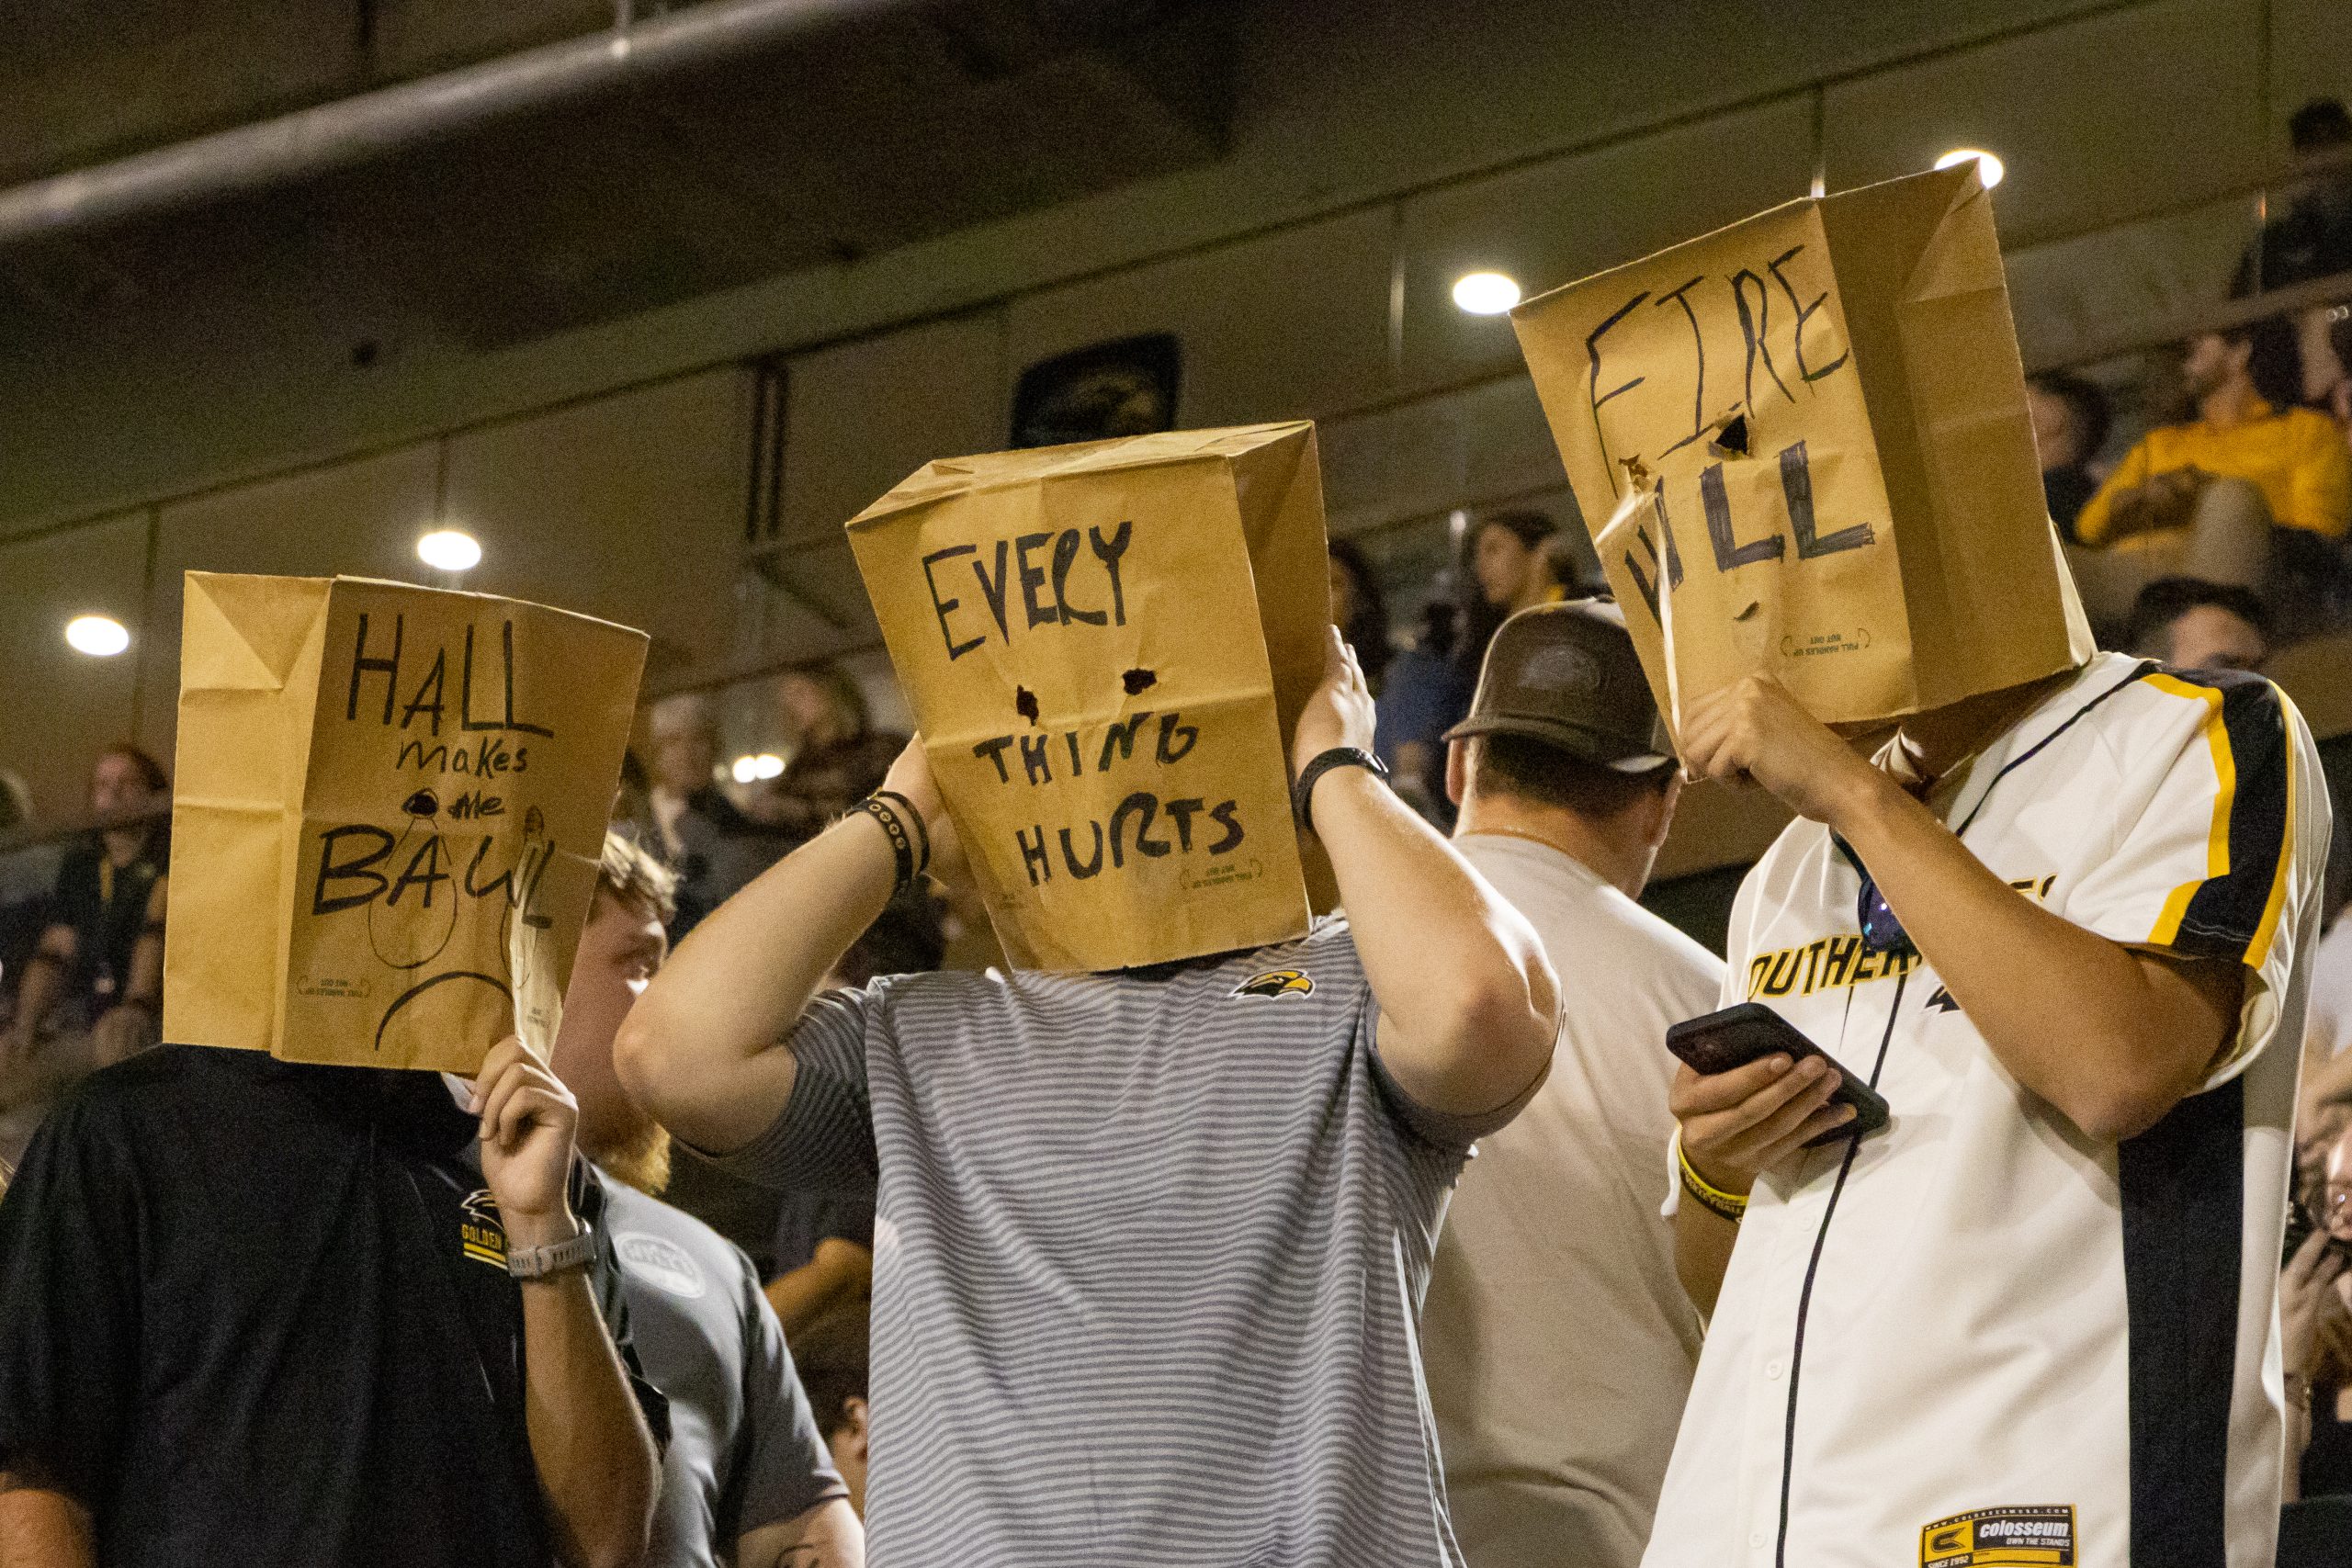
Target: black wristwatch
(1322, 762)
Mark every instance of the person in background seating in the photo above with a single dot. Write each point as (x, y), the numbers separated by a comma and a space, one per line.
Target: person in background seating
(99, 963)
(1360, 610)
(713, 847)
(835, 757)
(832, 1357)
(2071, 419)
(2313, 235)
(2253, 491)
(2191, 624)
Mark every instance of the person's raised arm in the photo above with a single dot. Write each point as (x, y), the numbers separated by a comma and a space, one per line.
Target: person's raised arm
(595, 1459)
(839, 1271)
(2113, 1036)
(1468, 1006)
(703, 1051)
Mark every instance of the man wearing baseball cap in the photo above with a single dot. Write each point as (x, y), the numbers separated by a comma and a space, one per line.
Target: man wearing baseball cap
(1559, 1342)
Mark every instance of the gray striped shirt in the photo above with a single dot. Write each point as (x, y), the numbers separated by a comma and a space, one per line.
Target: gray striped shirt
(1148, 1254)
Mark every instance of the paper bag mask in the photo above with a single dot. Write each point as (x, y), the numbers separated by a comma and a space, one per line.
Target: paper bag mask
(1801, 445)
(1107, 645)
(389, 808)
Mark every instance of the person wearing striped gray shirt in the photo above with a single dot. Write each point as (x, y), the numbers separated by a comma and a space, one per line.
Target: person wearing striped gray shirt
(1149, 1246)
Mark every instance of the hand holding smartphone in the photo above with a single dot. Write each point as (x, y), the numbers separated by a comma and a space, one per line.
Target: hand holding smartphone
(1719, 1041)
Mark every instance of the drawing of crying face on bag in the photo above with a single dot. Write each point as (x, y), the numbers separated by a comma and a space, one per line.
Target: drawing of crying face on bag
(391, 803)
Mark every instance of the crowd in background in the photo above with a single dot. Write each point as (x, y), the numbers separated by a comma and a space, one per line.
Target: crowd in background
(2215, 537)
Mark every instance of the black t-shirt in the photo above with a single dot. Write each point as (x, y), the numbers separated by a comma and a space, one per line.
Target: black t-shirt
(256, 1313)
(107, 906)
(804, 1220)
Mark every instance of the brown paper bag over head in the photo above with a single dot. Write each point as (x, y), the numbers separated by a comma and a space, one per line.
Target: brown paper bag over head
(1803, 448)
(1106, 646)
(389, 807)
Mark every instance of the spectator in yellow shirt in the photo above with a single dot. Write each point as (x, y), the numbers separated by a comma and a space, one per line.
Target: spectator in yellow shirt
(2201, 498)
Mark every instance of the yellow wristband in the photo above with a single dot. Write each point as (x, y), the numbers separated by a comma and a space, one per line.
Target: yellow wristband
(1715, 1199)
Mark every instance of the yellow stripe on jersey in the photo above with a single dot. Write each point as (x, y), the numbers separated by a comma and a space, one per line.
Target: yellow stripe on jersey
(2217, 842)
(2259, 948)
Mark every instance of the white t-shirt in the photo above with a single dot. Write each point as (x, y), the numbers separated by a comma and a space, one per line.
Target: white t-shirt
(2330, 1033)
(1558, 1342)
(1985, 1334)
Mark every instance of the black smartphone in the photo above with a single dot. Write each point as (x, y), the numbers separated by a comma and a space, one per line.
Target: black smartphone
(1721, 1041)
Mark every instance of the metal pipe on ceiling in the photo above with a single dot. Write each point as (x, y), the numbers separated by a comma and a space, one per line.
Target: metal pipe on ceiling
(313, 141)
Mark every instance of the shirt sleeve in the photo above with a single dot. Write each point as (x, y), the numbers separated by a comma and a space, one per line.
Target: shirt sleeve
(69, 1305)
(2323, 481)
(823, 1139)
(605, 1280)
(2221, 838)
(786, 1469)
(2090, 524)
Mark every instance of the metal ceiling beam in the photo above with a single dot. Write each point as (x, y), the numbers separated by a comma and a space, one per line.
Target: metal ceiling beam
(313, 141)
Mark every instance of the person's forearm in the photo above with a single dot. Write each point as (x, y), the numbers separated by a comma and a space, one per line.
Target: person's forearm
(702, 1049)
(43, 983)
(1459, 975)
(841, 1270)
(40, 1529)
(2111, 1038)
(827, 1536)
(595, 1459)
(1702, 1244)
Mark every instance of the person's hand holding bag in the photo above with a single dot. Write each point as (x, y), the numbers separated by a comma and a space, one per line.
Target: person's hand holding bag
(528, 1123)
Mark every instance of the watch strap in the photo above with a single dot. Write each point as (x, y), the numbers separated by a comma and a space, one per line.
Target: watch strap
(1303, 792)
(538, 1262)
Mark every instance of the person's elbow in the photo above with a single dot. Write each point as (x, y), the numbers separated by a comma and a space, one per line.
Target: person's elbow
(639, 1060)
(2117, 1105)
(2116, 1113)
(1496, 1028)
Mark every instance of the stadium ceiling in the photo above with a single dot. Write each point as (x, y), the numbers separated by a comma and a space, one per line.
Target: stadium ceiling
(497, 174)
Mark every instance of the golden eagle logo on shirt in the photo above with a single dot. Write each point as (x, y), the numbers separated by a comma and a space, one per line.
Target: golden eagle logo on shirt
(480, 1235)
(1277, 983)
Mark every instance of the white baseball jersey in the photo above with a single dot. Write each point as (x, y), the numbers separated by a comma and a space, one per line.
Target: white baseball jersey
(1979, 1337)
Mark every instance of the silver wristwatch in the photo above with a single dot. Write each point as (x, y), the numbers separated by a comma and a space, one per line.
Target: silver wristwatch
(538, 1262)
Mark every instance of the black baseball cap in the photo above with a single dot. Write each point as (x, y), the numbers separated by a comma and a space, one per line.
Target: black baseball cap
(1566, 674)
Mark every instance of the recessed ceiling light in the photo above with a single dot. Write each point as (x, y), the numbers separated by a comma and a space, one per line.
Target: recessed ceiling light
(449, 549)
(745, 770)
(1485, 293)
(767, 765)
(1988, 167)
(100, 637)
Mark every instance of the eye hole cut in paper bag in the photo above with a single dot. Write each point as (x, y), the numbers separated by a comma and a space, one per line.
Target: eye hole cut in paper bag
(1107, 645)
(389, 808)
(1803, 446)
